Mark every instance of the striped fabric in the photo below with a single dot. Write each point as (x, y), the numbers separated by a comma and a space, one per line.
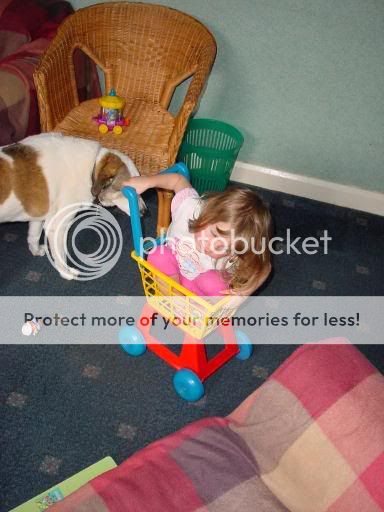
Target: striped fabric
(310, 439)
(26, 29)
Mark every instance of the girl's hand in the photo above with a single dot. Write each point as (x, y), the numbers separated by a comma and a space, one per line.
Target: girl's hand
(139, 183)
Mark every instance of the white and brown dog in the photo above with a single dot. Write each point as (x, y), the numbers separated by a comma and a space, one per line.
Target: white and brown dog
(42, 174)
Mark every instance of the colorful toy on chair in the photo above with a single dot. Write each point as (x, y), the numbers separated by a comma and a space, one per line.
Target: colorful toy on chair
(111, 117)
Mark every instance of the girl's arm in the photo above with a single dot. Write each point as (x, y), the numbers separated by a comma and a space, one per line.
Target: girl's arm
(171, 181)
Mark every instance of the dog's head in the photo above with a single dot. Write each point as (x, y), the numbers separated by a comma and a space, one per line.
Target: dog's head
(109, 174)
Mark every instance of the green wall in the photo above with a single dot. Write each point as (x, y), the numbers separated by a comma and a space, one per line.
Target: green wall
(303, 80)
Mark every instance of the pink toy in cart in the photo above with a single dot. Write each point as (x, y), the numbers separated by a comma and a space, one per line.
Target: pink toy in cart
(111, 117)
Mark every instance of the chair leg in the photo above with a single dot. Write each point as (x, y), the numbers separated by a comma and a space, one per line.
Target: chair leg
(164, 210)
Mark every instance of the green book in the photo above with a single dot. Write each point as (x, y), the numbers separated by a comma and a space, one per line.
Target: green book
(60, 491)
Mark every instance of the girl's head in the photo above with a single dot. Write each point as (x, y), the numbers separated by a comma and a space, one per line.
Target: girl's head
(236, 224)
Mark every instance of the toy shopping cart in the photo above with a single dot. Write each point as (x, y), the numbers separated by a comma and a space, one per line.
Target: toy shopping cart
(194, 315)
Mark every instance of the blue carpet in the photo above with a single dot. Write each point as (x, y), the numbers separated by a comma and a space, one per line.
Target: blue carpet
(63, 408)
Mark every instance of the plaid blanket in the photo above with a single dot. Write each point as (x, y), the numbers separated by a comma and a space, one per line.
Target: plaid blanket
(26, 29)
(311, 439)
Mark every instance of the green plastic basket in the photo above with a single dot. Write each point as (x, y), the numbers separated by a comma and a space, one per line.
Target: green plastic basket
(209, 149)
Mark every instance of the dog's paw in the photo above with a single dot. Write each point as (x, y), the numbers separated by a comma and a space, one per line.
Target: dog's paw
(68, 273)
(37, 250)
(142, 207)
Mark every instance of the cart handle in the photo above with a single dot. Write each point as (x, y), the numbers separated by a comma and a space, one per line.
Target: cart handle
(131, 194)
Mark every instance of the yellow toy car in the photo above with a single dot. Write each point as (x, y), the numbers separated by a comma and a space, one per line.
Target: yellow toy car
(111, 117)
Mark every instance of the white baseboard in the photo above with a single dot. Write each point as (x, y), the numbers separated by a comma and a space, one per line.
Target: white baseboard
(311, 188)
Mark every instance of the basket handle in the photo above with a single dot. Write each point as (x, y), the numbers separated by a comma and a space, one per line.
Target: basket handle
(131, 194)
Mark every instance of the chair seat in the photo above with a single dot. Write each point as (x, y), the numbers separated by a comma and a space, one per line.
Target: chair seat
(145, 140)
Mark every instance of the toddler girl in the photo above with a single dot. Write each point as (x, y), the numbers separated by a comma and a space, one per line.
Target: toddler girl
(216, 244)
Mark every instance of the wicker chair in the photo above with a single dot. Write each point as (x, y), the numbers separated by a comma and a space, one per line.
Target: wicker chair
(145, 51)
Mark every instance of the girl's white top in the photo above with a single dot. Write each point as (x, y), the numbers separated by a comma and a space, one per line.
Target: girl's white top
(186, 205)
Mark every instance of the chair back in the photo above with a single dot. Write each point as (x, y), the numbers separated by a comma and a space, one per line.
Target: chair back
(145, 50)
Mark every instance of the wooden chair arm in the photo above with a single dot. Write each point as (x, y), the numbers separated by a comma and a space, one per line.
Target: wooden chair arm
(55, 84)
(190, 101)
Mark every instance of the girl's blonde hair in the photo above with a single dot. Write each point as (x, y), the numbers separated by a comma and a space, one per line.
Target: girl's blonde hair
(251, 222)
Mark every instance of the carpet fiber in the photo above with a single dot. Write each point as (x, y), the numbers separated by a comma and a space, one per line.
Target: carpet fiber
(63, 408)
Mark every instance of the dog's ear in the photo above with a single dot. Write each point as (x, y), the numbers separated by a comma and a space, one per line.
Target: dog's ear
(105, 171)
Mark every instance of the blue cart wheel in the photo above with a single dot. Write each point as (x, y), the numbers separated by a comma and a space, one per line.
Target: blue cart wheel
(245, 346)
(132, 341)
(188, 385)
